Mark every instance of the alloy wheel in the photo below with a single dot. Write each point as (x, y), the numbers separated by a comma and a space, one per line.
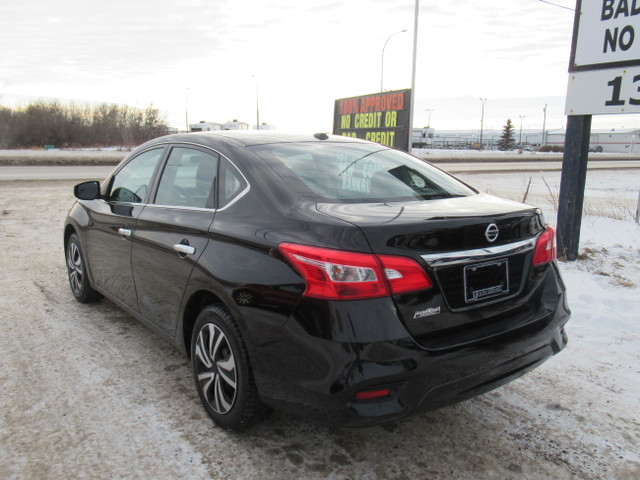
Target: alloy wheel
(216, 368)
(76, 270)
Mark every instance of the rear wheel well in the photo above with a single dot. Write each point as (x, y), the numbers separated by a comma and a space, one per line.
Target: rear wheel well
(195, 305)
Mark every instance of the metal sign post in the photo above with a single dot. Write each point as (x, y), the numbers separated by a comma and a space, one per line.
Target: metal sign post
(604, 78)
(572, 183)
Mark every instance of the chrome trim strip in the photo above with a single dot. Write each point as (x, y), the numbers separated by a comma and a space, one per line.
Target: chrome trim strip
(177, 207)
(129, 204)
(222, 155)
(238, 196)
(206, 147)
(464, 256)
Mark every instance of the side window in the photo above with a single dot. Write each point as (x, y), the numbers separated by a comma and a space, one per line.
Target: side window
(132, 183)
(232, 184)
(188, 179)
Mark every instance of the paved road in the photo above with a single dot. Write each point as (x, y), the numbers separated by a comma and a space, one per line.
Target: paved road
(57, 172)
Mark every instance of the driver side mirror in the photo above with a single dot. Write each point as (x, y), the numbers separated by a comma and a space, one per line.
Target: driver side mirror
(87, 190)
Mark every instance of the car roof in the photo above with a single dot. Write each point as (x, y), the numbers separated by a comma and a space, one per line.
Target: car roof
(253, 137)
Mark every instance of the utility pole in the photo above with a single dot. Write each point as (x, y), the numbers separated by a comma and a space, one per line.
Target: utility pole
(413, 73)
(429, 110)
(482, 121)
(544, 127)
(257, 105)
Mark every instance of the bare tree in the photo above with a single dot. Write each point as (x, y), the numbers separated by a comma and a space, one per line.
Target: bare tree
(53, 123)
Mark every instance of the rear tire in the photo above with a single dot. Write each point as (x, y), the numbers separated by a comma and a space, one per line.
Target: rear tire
(222, 372)
(77, 270)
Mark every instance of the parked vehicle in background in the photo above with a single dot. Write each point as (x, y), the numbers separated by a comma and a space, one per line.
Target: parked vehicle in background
(330, 277)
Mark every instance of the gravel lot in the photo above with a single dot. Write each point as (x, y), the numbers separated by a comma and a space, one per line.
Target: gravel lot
(88, 392)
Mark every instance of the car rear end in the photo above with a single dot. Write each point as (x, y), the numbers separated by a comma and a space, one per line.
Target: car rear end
(458, 293)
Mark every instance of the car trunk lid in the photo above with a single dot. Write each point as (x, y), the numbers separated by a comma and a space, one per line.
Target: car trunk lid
(476, 249)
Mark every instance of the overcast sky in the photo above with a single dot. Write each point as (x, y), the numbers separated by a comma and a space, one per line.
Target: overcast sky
(210, 55)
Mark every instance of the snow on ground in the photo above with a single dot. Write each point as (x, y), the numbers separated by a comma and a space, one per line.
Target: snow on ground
(88, 392)
(603, 289)
(603, 285)
(604, 295)
(611, 248)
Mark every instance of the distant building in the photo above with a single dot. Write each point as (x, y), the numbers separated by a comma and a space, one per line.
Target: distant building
(203, 126)
(422, 137)
(265, 126)
(456, 139)
(235, 125)
(613, 141)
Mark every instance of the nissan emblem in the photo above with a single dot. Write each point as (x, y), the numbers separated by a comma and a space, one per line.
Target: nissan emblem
(492, 232)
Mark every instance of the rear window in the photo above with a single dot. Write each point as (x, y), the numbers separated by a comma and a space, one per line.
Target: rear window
(358, 173)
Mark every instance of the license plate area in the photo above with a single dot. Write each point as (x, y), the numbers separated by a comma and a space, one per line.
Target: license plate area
(486, 280)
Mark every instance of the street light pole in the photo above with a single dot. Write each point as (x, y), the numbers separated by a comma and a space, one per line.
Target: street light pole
(520, 141)
(257, 109)
(382, 62)
(416, 11)
(428, 110)
(482, 100)
(257, 105)
(186, 108)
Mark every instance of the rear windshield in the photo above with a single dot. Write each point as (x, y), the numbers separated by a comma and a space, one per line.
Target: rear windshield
(358, 173)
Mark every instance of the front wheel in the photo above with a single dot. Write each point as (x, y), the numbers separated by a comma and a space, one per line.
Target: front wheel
(222, 372)
(77, 270)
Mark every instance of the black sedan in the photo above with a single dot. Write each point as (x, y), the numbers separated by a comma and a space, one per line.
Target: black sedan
(327, 276)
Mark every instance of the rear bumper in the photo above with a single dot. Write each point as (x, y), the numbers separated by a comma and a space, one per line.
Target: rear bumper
(321, 372)
(422, 394)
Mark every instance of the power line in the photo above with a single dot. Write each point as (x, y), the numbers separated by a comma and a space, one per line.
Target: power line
(556, 5)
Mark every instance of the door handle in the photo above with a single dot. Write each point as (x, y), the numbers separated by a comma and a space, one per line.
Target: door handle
(124, 232)
(183, 249)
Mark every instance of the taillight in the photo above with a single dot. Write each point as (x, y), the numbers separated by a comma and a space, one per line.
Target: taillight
(545, 247)
(404, 274)
(340, 275)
